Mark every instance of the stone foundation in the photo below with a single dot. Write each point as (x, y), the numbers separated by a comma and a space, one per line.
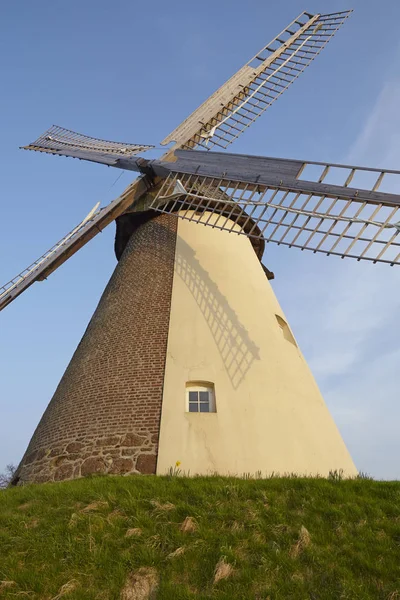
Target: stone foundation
(115, 454)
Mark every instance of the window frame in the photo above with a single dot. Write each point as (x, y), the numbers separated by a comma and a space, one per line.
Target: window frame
(200, 387)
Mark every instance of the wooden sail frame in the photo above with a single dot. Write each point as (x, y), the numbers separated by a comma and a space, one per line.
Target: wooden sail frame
(58, 140)
(286, 209)
(227, 113)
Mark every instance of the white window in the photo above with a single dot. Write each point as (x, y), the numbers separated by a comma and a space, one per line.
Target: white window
(200, 397)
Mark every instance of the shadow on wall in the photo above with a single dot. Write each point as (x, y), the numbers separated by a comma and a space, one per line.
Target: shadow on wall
(237, 349)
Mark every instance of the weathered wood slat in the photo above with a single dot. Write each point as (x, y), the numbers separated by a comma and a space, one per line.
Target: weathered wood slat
(270, 172)
(279, 214)
(90, 230)
(278, 55)
(129, 163)
(59, 138)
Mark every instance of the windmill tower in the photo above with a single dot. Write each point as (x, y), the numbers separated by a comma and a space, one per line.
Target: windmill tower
(188, 355)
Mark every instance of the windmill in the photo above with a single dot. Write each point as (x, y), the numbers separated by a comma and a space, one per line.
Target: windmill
(188, 355)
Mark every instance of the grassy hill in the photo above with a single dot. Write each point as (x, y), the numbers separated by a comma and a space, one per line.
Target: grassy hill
(177, 538)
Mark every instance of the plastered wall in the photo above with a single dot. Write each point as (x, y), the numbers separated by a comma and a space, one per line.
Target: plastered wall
(223, 328)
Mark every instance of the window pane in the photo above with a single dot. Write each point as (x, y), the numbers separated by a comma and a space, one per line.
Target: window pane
(203, 396)
(204, 407)
(193, 407)
(193, 396)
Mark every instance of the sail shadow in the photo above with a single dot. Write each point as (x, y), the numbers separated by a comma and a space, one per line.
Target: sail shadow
(237, 349)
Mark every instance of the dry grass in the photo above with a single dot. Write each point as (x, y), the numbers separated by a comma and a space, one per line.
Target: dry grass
(94, 506)
(189, 525)
(223, 570)
(178, 552)
(141, 585)
(302, 543)
(66, 589)
(162, 507)
(133, 532)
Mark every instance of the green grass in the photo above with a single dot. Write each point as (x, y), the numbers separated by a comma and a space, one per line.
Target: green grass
(48, 539)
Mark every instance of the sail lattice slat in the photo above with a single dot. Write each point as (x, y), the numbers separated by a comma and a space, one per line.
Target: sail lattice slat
(91, 225)
(34, 271)
(58, 140)
(332, 219)
(240, 101)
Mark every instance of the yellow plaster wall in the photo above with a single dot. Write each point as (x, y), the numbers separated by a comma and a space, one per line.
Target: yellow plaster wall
(270, 414)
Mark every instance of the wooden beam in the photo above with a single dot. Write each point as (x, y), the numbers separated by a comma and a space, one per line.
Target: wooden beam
(137, 189)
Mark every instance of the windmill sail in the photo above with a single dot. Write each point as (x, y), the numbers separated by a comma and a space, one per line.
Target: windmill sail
(333, 209)
(222, 118)
(64, 142)
(91, 225)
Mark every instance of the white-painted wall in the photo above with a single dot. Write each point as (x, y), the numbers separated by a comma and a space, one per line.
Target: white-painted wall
(270, 414)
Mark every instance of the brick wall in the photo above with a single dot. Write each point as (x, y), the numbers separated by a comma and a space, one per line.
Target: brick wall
(105, 414)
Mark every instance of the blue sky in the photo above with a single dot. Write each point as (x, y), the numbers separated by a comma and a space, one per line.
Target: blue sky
(131, 72)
